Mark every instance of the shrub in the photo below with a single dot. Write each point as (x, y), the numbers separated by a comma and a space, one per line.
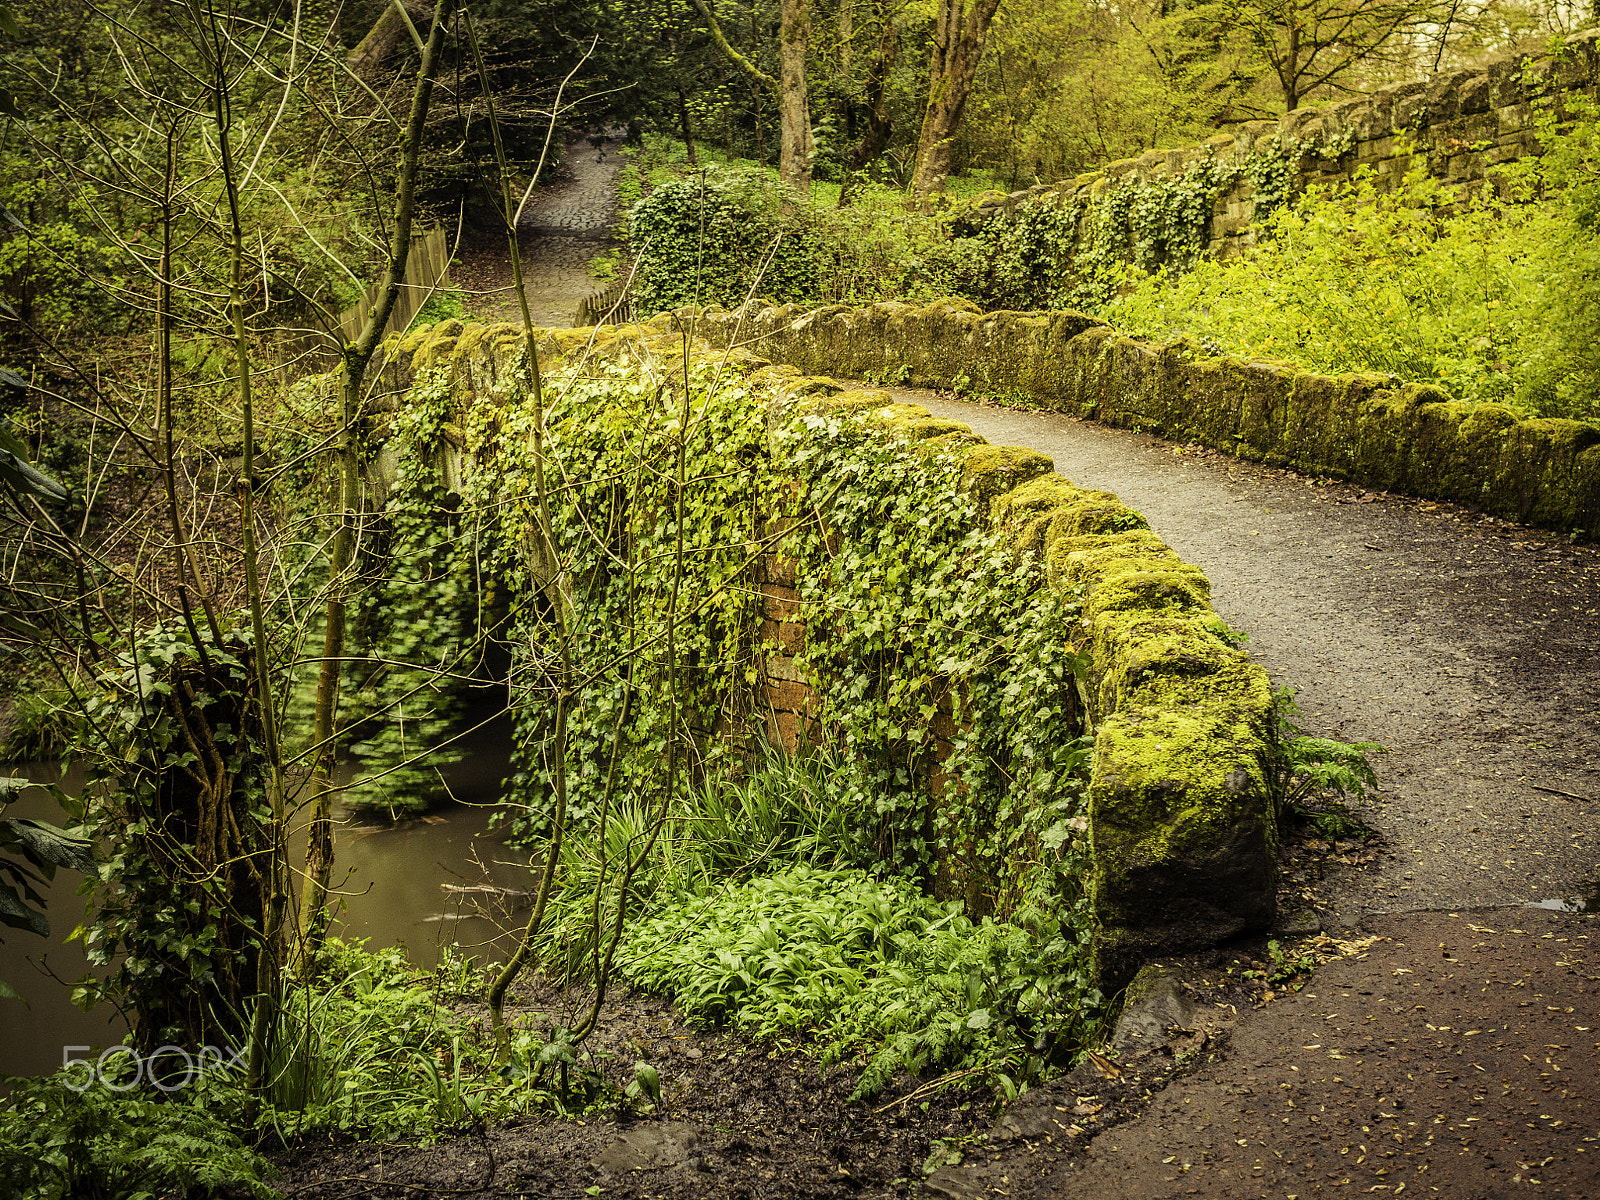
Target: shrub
(1491, 296)
(718, 238)
(875, 970)
(59, 1143)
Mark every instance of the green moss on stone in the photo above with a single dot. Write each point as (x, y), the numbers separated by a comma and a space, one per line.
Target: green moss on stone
(924, 428)
(1135, 651)
(1168, 783)
(1082, 560)
(990, 471)
(1180, 587)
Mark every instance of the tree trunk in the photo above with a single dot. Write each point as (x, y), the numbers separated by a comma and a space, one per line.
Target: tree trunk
(683, 100)
(794, 114)
(958, 38)
(875, 137)
(794, 140)
(1289, 71)
(387, 34)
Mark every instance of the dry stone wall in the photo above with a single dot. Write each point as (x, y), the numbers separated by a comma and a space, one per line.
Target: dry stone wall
(1367, 429)
(1464, 122)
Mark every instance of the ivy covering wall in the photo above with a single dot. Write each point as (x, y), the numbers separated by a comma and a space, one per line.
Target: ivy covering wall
(960, 608)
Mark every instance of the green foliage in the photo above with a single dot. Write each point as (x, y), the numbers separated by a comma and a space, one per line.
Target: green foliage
(30, 852)
(443, 305)
(1290, 970)
(369, 1048)
(1066, 86)
(926, 614)
(718, 239)
(931, 617)
(416, 626)
(776, 812)
(1488, 295)
(871, 968)
(1301, 770)
(61, 1143)
(1050, 256)
(173, 787)
(1368, 281)
(1022, 263)
(49, 267)
(1162, 224)
(636, 570)
(43, 720)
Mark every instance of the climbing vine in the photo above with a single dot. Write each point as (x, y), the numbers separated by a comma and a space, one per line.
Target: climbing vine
(173, 787)
(945, 666)
(1150, 226)
(614, 436)
(417, 627)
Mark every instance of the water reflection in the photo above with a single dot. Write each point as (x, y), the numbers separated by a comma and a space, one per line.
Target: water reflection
(394, 886)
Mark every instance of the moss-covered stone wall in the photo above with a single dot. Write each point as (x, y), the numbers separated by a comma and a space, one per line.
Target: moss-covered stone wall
(1366, 429)
(1463, 122)
(1182, 842)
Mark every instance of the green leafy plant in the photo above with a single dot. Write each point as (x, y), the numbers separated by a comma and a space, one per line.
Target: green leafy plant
(61, 1142)
(1303, 770)
(712, 239)
(932, 617)
(871, 968)
(370, 1048)
(30, 852)
(174, 787)
(418, 627)
(443, 305)
(1485, 294)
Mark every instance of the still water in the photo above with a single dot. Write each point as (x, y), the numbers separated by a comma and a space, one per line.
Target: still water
(395, 883)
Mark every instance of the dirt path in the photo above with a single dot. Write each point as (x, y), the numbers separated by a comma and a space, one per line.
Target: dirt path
(565, 225)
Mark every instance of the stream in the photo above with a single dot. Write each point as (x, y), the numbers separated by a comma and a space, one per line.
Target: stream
(391, 879)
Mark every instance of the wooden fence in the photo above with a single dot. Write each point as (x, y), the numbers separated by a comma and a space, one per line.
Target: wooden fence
(427, 270)
(303, 350)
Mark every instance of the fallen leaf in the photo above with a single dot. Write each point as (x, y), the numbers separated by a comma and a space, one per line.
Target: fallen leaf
(1105, 1066)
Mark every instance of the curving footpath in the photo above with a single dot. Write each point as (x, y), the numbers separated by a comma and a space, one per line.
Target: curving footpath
(566, 224)
(1459, 1054)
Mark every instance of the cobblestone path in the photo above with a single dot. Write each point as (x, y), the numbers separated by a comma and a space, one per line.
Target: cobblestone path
(564, 226)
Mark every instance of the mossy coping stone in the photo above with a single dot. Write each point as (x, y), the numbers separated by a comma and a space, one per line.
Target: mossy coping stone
(1368, 429)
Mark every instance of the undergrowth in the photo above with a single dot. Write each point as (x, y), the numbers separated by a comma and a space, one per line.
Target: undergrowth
(1488, 294)
(371, 1048)
(59, 1143)
(871, 969)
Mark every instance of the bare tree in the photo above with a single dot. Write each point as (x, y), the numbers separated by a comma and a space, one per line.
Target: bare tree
(1315, 44)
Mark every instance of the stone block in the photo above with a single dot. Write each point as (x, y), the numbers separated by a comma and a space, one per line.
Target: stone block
(1475, 95)
(779, 603)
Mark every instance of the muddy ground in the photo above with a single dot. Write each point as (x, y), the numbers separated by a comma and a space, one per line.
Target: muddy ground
(1450, 1043)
